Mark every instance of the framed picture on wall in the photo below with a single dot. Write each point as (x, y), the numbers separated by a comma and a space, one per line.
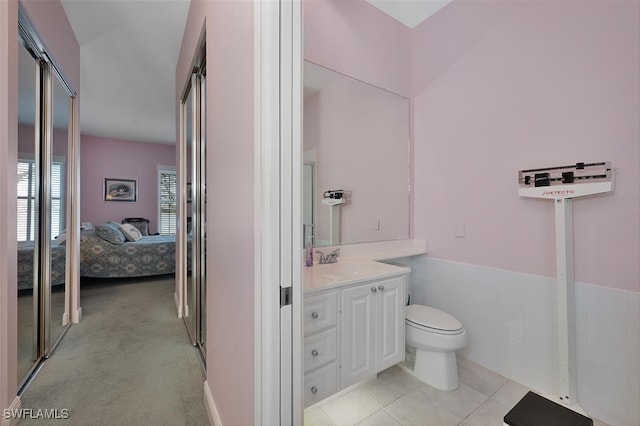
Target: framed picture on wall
(123, 190)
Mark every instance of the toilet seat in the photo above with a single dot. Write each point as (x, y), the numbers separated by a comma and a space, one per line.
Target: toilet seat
(432, 320)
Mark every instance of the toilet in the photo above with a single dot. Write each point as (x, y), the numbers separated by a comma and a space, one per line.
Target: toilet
(437, 336)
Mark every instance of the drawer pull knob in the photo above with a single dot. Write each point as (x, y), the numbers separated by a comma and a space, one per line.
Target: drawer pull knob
(381, 287)
(373, 289)
(314, 352)
(314, 390)
(314, 315)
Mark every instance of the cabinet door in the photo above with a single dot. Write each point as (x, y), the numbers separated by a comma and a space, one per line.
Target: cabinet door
(357, 337)
(389, 323)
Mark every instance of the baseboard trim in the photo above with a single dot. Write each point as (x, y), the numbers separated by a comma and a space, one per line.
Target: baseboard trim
(178, 307)
(77, 316)
(212, 411)
(15, 406)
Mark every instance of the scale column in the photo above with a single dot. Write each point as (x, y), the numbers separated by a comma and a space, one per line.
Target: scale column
(565, 300)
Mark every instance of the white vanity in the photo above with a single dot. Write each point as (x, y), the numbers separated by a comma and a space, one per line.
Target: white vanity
(353, 324)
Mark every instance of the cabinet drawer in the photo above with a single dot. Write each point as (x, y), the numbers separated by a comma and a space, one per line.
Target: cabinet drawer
(320, 311)
(320, 349)
(320, 384)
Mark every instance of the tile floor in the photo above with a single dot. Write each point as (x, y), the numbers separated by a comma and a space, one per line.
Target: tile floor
(396, 398)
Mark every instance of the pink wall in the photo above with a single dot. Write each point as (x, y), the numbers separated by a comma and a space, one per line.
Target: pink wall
(8, 184)
(113, 158)
(494, 91)
(26, 140)
(500, 87)
(359, 40)
(230, 175)
(49, 20)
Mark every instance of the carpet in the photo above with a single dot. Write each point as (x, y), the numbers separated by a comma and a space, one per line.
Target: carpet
(128, 362)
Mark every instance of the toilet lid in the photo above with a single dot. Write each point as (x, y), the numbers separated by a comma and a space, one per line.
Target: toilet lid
(427, 316)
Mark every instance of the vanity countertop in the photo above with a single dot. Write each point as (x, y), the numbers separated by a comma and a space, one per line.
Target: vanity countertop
(349, 271)
(360, 262)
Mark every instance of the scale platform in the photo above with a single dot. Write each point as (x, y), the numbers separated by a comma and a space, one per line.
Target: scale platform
(535, 410)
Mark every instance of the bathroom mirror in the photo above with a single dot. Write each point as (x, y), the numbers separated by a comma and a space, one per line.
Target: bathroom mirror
(356, 139)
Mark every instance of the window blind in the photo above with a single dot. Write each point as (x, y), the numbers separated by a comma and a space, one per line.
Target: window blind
(168, 198)
(26, 223)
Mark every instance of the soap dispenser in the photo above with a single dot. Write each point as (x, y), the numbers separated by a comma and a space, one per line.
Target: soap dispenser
(309, 251)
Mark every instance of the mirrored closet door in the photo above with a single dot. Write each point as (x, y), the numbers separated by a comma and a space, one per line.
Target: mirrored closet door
(194, 161)
(57, 178)
(45, 103)
(28, 352)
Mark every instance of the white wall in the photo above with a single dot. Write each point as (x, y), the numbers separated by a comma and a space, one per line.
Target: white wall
(510, 320)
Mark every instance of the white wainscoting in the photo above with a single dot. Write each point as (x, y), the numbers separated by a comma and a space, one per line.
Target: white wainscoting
(510, 320)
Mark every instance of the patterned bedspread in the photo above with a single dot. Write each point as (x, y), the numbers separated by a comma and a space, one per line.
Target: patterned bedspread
(25, 264)
(152, 255)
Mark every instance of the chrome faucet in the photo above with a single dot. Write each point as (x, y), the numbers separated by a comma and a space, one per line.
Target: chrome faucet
(329, 258)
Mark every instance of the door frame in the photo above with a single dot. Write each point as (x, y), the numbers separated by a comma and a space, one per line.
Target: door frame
(278, 211)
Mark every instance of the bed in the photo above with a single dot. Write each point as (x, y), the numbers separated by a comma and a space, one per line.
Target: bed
(25, 264)
(149, 256)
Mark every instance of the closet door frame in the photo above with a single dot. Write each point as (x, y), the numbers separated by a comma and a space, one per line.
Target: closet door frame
(194, 93)
(44, 344)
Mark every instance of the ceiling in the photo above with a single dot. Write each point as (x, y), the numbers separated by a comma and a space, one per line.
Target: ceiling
(410, 12)
(128, 55)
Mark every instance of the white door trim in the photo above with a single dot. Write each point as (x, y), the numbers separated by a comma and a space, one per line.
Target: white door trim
(277, 183)
(266, 202)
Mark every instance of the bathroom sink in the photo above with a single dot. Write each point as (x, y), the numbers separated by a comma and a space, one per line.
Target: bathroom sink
(345, 272)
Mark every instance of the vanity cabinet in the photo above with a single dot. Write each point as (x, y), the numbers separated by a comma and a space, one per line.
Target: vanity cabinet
(372, 329)
(365, 336)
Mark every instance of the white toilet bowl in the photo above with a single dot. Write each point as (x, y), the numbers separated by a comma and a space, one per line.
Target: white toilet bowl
(436, 335)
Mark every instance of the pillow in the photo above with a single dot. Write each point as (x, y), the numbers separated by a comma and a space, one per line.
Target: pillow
(62, 238)
(110, 233)
(130, 232)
